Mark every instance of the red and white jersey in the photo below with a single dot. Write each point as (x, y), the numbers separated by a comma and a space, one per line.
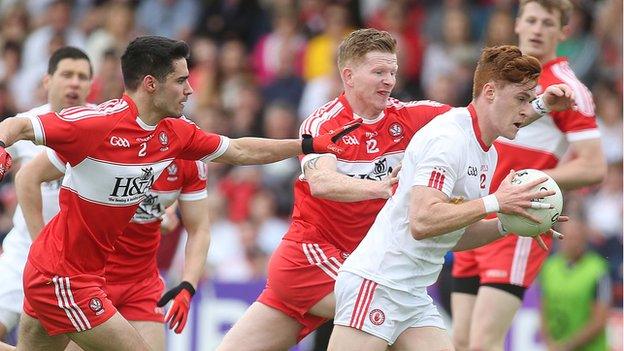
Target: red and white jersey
(541, 144)
(114, 158)
(134, 257)
(371, 152)
(449, 155)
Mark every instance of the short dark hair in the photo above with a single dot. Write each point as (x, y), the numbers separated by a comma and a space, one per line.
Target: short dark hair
(67, 52)
(150, 55)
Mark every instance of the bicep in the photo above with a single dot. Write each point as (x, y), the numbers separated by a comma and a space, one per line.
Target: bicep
(422, 198)
(589, 149)
(311, 165)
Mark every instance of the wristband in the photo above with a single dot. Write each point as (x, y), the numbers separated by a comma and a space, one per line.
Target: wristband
(501, 230)
(491, 204)
(539, 105)
(188, 287)
(306, 144)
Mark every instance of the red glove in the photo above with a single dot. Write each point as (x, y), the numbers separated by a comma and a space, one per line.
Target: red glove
(326, 143)
(5, 160)
(178, 313)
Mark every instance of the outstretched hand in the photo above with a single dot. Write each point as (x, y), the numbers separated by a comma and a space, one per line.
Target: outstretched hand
(328, 143)
(555, 234)
(559, 97)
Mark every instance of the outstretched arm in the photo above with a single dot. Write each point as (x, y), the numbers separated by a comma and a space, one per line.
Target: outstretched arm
(248, 151)
(28, 187)
(588, 166)
(16, 128)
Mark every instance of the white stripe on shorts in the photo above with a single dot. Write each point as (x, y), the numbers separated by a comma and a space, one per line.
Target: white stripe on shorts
(65, 299)
(316, 256)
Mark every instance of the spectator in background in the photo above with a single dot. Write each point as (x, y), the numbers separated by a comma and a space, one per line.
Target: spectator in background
(10, 63)
(116, 32)
(283, 41)
(58, 23)
(263, 216)
(581, 47)
(454, 56)
(609, 113)
(233, 19)
(320, 52)
(245, 110)
(286, 85)
(203, 75)
(168, 18)
(7, 107)
(280, 120)
(108, 82)
(500, 29)
(234, 72)
(15, 24)
(575, 294)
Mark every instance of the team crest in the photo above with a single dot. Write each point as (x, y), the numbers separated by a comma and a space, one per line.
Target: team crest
(377, 317)
(95, 305)
(164, 140)
(172, 169)
(395, 129)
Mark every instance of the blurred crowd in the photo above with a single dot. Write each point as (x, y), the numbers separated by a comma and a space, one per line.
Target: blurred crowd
(259, 67)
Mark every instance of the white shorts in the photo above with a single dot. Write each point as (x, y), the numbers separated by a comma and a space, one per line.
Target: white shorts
(11, 290)
(381, 311)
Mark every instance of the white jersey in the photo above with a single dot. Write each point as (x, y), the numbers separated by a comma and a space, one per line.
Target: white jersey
(17, 242)
(449, 155)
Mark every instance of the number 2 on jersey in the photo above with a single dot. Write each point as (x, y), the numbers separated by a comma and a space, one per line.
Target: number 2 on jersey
(142, 151)
(483, 177)
(371, 146)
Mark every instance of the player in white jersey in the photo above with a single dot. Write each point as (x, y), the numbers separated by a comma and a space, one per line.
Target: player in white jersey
(67, 82)
(381, 296)
(489, 282)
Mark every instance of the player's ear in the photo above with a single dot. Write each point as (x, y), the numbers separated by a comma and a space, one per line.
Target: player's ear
(489, 91)
(564, 33)
(149, 83)
(346, 73)
(46, 81)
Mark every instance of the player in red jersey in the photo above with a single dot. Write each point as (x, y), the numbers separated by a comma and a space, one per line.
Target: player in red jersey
(115, 153)
(489, 282)
(337, 198)
(133, 283)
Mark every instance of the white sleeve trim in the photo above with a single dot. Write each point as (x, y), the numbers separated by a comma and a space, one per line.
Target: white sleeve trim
(225, 143)
(38, 130)
(309, 157)
(194, 196)
(583, 135)
(55, 160)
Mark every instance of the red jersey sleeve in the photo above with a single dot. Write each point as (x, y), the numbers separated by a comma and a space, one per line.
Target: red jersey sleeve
(195, 177)
(197, 144)
(74, 132)
(419, 113)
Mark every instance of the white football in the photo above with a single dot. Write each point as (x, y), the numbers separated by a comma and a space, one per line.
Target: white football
(548, 217)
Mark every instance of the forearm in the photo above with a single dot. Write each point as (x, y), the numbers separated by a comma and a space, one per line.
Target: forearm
(28, 189)
(585, 334)
(195, 252)
(16, 128)
(478, 234)
(578, 173)
(442, 218)
(249, 151)
(330, 185)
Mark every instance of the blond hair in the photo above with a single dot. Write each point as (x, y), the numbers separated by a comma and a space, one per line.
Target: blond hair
(362, 41)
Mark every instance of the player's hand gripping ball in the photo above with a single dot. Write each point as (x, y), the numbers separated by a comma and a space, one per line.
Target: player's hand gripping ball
(548, 217)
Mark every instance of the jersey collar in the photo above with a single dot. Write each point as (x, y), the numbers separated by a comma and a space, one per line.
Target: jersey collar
(475, 127)
(343, 100)
(135, 112)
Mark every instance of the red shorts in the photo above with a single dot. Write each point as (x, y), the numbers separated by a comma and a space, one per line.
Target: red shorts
(136, 301)
(65, 304)
(512, 260)
(299, 276)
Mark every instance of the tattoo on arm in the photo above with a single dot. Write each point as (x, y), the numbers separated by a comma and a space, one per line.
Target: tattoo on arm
(311, 164)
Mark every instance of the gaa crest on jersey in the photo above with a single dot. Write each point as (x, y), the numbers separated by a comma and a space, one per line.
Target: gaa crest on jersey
(95, 305)
(172, 169)
(377, 317)
(164, 141)
(395, 129)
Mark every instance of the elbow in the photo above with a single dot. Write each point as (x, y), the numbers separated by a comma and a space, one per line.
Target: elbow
(420, 230)
(318, 188)
(599, 172)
